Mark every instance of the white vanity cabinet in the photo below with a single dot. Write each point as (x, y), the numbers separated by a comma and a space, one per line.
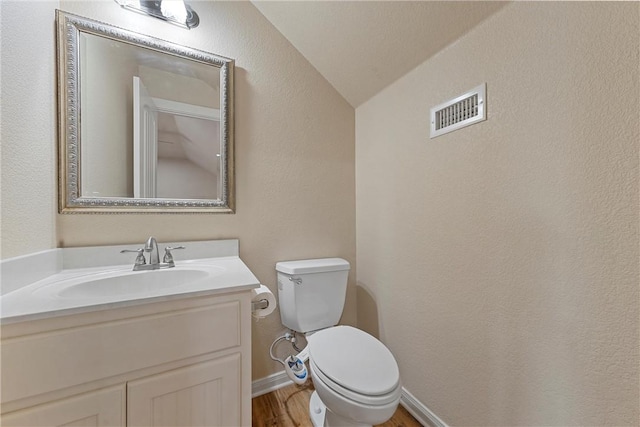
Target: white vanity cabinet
(204, 394)
(175, 362)
(96, 408)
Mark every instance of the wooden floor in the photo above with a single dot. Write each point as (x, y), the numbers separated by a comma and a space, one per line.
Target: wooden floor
(289, 407)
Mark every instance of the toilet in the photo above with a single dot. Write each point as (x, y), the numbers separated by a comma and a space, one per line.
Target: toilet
(356, 378)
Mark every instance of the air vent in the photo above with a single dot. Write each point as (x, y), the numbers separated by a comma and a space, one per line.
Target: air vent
(462, 111)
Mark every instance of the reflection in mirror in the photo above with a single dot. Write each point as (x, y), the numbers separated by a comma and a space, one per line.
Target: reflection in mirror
(186, 156)
(155, 123)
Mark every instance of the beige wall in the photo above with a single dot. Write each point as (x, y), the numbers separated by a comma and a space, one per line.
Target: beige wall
(28, 128)
(500, 262)
(295, 153)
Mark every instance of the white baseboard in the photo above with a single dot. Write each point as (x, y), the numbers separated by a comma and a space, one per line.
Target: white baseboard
(268, 384)
(420, 412)
(424, 415)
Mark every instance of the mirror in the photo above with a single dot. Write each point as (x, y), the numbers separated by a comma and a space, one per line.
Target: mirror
(145, 125)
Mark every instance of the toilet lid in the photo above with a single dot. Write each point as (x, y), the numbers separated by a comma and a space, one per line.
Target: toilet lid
(355, 360)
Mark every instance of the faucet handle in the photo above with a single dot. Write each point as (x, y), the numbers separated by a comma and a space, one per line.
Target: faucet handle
(140, 260)
(168, 257)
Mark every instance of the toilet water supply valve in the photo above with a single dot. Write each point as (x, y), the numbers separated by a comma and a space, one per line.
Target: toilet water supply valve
(293, 365)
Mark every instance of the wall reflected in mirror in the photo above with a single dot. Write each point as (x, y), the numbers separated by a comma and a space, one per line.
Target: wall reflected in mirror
(138, 88)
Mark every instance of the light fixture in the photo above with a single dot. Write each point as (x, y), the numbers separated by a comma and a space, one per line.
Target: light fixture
(173, 11)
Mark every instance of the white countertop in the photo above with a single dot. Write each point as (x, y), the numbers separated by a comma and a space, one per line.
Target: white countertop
(49, 296)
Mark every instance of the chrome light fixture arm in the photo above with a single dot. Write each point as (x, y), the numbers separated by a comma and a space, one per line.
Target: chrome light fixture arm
(173, 11)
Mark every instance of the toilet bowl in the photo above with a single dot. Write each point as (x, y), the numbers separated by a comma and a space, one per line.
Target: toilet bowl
(356, 377)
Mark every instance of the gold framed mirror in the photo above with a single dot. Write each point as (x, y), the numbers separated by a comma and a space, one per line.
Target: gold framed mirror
(145, 125)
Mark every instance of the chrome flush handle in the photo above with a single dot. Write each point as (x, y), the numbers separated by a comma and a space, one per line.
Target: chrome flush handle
(296, 280)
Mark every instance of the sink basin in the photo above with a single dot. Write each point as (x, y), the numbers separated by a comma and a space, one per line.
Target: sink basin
(128, 283)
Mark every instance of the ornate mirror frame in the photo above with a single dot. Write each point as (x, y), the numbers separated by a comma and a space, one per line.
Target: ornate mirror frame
(69, 28)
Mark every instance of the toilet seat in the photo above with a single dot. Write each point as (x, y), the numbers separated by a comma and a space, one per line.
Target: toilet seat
(375, 400)
(355, 365)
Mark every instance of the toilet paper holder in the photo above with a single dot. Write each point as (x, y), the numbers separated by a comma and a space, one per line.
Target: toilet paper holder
(263, 302)
(259, 305)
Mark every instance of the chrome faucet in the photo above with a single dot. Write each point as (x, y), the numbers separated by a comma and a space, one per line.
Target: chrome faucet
(151, 246)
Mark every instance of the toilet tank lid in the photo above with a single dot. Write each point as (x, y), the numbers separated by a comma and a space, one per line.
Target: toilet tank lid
(312, 265)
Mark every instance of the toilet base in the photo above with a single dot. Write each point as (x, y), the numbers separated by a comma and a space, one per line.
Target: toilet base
(316, 410)
(323, 417)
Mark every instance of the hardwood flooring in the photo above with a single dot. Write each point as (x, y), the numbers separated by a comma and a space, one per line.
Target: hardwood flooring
(289, 407)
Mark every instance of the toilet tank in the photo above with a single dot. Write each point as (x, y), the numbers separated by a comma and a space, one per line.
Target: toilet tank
(311, 292)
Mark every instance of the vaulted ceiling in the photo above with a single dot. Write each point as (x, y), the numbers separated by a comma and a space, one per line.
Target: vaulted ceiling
(361, 47)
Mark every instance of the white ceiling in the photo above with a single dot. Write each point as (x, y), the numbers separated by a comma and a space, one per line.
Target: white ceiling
(361, 47)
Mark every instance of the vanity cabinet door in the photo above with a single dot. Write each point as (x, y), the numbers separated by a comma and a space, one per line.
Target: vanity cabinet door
(98, 408)
(204, 394)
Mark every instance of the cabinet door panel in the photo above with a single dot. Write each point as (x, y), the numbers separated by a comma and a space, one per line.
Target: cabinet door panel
(98, 408)
(93, 352)
(204, 394)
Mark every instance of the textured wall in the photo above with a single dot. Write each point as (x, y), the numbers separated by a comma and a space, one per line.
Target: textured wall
(372, 43)
(500, 262)
(28, 128)
(295, 153)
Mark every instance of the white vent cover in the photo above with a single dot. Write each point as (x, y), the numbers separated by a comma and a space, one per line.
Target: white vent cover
(462, 111)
